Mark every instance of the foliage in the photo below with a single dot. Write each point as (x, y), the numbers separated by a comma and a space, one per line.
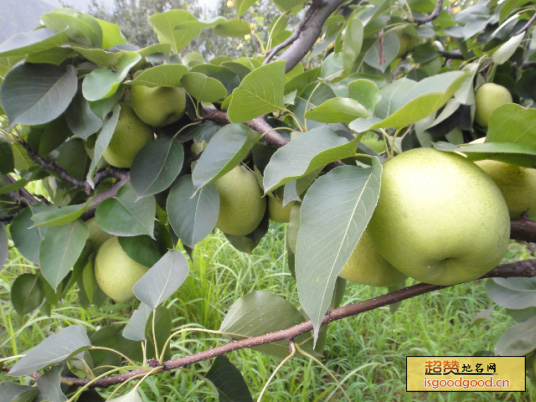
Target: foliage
(296, 122)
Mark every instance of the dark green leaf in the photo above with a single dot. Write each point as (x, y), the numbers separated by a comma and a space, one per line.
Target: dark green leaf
(7, 162)
(172, 27)
(226, 76)
(518, 340)
(126, 215)
(513, 123)
(80, 29)
(513, 293)
(80, 118)
(27, 238)
(60, 249)
(141, 249)
(37, 93)
(10, 392)
(27, 293)
(321, 255)
(156, 166)
(54, 349)
(49, 385)
(261, 312)
(192, 215)
(228, 381)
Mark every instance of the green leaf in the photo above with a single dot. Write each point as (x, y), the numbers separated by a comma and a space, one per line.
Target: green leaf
(60, 249)
(227, 148)
(228, 381)
(170, 28)
(56, 348)
(513, 123)
(409, 102)
(156, 166)
(80, 118)
(74, 158)
(26, 237)
(84, 31)
(111, 34)
(15, 186)
(49, 385)
(321, 254)
(163, 279)
(514, 154)
(165, 75)
(192, 214)
(337, 110)
(4, 245)
(513, 293)
(352, 42)
(7, 162)
(507, 49)
(32, 42)
(203, 88)
(104, 138)
(292, 6)
(11, 392)
(313, 95)
(141, 249)
(126, 215)
(366, 92)
(101, 83)
(226, 76)
(261, 312)
(100, 57)
(135, 328)
(518, 340)
(259, 93)
(242, 6)
(311, 150)
(247, 243)
(233, 28)
(37, 93)
(27, 293)
(299, 82)
(60, 216)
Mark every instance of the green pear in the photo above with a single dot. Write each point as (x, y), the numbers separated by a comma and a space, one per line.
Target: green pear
(97, 236)
(130, 135)
(158, 106)
(407, 42)
(241, 204)
(368, 267)
(517, 185)
(115, 272)
(277, 212)
(488, 98)
(440, 219)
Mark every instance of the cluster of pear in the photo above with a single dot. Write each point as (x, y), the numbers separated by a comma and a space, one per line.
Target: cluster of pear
(242, 206)
(440, 219)
(115, 272)
(149, 108)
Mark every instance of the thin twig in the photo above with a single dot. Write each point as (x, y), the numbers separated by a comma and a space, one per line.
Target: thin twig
(431, 17)
(527, 25)
(525, 268)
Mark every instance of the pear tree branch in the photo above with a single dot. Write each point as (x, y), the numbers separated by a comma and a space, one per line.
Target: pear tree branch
(525, 268)
(431, 17)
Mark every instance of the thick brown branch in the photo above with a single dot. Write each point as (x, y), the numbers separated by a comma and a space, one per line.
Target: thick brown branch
(321, 10)
(519, 269)
(271, 137)
(523, 229)
(431, 17)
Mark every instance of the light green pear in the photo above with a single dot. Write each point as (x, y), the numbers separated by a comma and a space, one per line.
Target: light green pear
(277, 212)
(241, 204)
(293, 226)
(488, 98)
(158, 106)
(440, 219)
(97, 236)
(115, 272)
(130, 135)
(517, 185)
(368, 267)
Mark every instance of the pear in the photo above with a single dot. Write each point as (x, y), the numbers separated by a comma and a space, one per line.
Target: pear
(158, 106)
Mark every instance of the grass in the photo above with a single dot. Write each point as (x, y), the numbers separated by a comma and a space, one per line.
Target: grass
(366, 353)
